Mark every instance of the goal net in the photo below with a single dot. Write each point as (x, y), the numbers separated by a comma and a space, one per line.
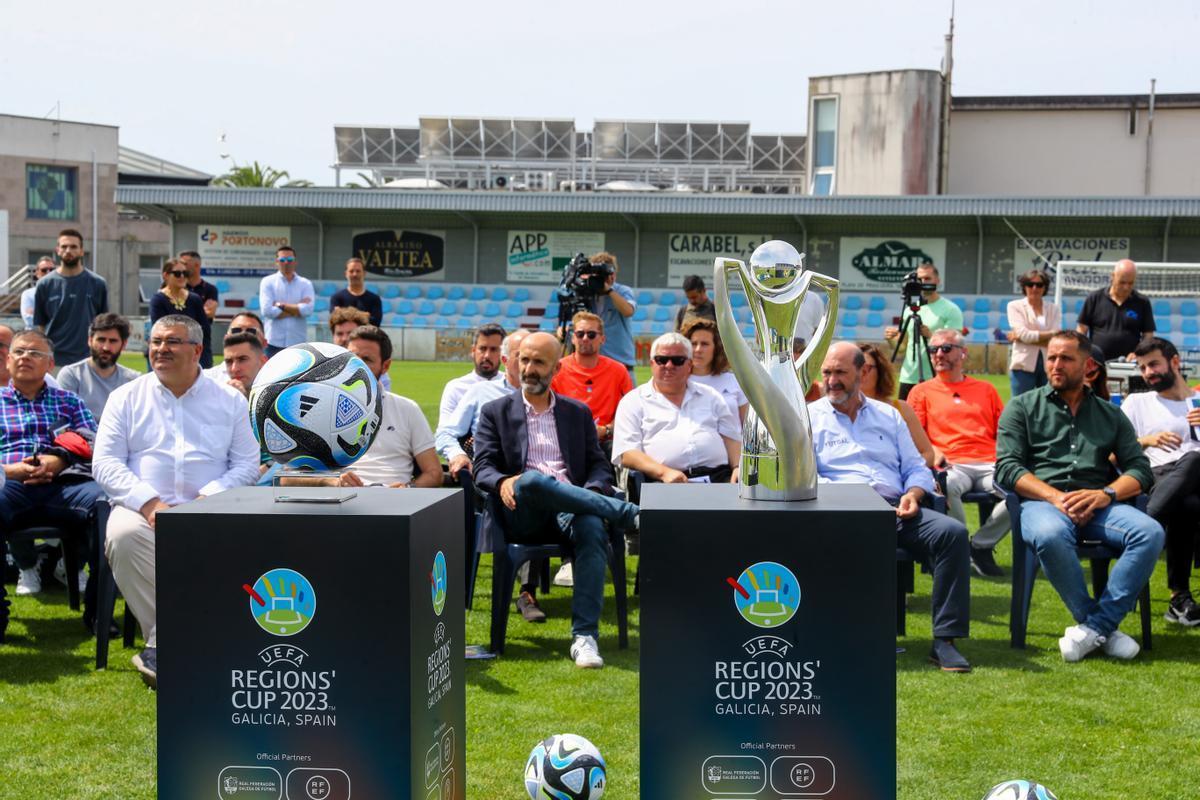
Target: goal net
(1154, 279)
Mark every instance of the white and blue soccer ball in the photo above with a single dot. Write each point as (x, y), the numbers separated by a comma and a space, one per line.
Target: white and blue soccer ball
(315, 406)
(565, 767)
(1019, 790)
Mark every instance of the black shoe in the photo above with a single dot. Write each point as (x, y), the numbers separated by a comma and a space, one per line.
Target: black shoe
(984, 563)
(89, 622)
(947, 658)
(1183, 609)
(528, 606)
(147, 664)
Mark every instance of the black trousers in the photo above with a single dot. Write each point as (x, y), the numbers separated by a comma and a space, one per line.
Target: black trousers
(1175, 504)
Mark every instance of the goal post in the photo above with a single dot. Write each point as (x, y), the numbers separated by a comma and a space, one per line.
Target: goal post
(1154, 278)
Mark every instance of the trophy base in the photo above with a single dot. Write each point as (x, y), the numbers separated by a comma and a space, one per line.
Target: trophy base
(308, 486)
(760, 479)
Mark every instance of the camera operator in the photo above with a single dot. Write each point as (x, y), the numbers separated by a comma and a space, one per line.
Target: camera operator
(935, 313)
(615, 305)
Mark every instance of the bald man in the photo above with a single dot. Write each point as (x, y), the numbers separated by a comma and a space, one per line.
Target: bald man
(860, 440)
(1119, 317)
(538, 455)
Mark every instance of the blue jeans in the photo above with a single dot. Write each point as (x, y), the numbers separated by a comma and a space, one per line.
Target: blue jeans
(548, 509)
(1022, 381)
(1122, 527)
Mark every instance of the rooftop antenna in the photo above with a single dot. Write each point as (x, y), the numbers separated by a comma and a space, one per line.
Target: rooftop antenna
(944, 134)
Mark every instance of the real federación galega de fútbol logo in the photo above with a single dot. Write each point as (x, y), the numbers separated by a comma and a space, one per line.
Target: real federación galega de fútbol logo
(766, 594)
(282, 601)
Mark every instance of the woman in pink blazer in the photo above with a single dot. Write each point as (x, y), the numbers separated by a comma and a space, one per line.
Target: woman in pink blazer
(1032, 321)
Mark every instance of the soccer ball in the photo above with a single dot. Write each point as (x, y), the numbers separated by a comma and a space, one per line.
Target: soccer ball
(1019, 790)
(315, 406)
(565, 767)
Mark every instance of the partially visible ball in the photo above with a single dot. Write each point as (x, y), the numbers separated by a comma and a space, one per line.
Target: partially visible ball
(565, 767)
(1019, 790)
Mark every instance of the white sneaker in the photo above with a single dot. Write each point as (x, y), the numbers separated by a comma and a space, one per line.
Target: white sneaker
(1077, 641)
(565, 575)
(1118, 645)
(586, 653)
(29, 582)
(60, 575)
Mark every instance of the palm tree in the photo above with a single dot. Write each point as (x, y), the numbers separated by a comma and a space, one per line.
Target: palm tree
(369, 182)
(257, 175)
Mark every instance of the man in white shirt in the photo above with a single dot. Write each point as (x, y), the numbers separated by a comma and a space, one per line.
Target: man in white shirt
(286, 300)
(167, 438)
(245, 322)
(465, 418)
(860, 440)
(674, 430)
(485, 354)
(95, 378)
(1165, 420)
(404, 443)
(45, 266)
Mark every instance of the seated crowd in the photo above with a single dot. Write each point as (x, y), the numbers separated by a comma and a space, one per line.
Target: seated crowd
(543, 435)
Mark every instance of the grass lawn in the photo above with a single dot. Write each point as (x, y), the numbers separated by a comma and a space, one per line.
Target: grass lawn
(1091, 731)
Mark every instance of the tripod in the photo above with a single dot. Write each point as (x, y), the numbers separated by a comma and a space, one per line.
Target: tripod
(910, 326)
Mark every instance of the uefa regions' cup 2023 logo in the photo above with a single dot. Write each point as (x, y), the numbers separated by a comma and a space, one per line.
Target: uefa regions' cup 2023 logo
(282, 601)
(766, 594)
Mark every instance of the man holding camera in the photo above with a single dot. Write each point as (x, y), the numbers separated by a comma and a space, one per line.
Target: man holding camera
(615, 305)
(935, 313)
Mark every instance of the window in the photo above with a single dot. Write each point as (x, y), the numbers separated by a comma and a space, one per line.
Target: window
(824, 145)
(51, 193)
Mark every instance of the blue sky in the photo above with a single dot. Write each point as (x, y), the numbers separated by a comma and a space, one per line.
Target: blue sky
(276, 76)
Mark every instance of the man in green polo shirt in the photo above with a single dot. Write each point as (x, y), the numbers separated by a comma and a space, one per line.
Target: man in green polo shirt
(937, 314)
(1053, 449)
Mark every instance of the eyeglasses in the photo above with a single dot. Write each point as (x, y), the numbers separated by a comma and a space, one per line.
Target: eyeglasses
(286, 260)
(1036, 285)
(677, 361)
(178, 273)
(22, 352)
(232, 331)
(942, 348)
(586, 334)
(170, 341)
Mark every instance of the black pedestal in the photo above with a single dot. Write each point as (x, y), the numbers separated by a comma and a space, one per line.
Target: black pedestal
(312, 652)
(767, 654)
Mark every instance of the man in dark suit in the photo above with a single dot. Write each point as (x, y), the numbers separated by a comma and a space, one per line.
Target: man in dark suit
(539, 453)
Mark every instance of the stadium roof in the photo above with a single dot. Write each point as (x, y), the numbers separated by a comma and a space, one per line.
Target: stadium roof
(199, 203)
(134, 166)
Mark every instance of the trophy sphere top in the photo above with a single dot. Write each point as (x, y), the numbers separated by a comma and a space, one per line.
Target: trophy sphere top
(776, 263)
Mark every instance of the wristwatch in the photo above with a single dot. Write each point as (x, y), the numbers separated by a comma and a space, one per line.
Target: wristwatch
(1111, 492)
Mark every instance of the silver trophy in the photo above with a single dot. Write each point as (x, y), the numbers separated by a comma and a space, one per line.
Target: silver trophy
(778, 461)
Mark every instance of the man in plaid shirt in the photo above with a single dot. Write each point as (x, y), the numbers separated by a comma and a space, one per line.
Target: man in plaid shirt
(45, 448)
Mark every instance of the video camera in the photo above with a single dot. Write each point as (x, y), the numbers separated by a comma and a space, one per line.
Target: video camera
(913, 290)
(583, 280)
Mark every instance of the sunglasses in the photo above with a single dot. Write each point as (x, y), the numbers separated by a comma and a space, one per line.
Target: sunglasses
(232, 331)
(942, 348)
(286, 260)
(586, 334)
(1037, 284)
(178, 273)
(677, 361)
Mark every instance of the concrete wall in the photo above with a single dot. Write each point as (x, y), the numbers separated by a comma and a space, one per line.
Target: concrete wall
(1073, 152)
(887, 136)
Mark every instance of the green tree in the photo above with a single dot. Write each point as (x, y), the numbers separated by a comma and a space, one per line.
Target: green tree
(258, 175)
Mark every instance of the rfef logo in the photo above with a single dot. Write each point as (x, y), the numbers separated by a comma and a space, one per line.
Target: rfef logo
(437, 581)
(766, 594)
(282, 601)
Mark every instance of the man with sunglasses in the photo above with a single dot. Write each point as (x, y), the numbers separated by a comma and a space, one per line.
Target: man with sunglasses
(675, 430)
(597, 381)
(286, 300)
(961, 414)
(45, 445)
(167, 438)
(45, 265)
(68, 299)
